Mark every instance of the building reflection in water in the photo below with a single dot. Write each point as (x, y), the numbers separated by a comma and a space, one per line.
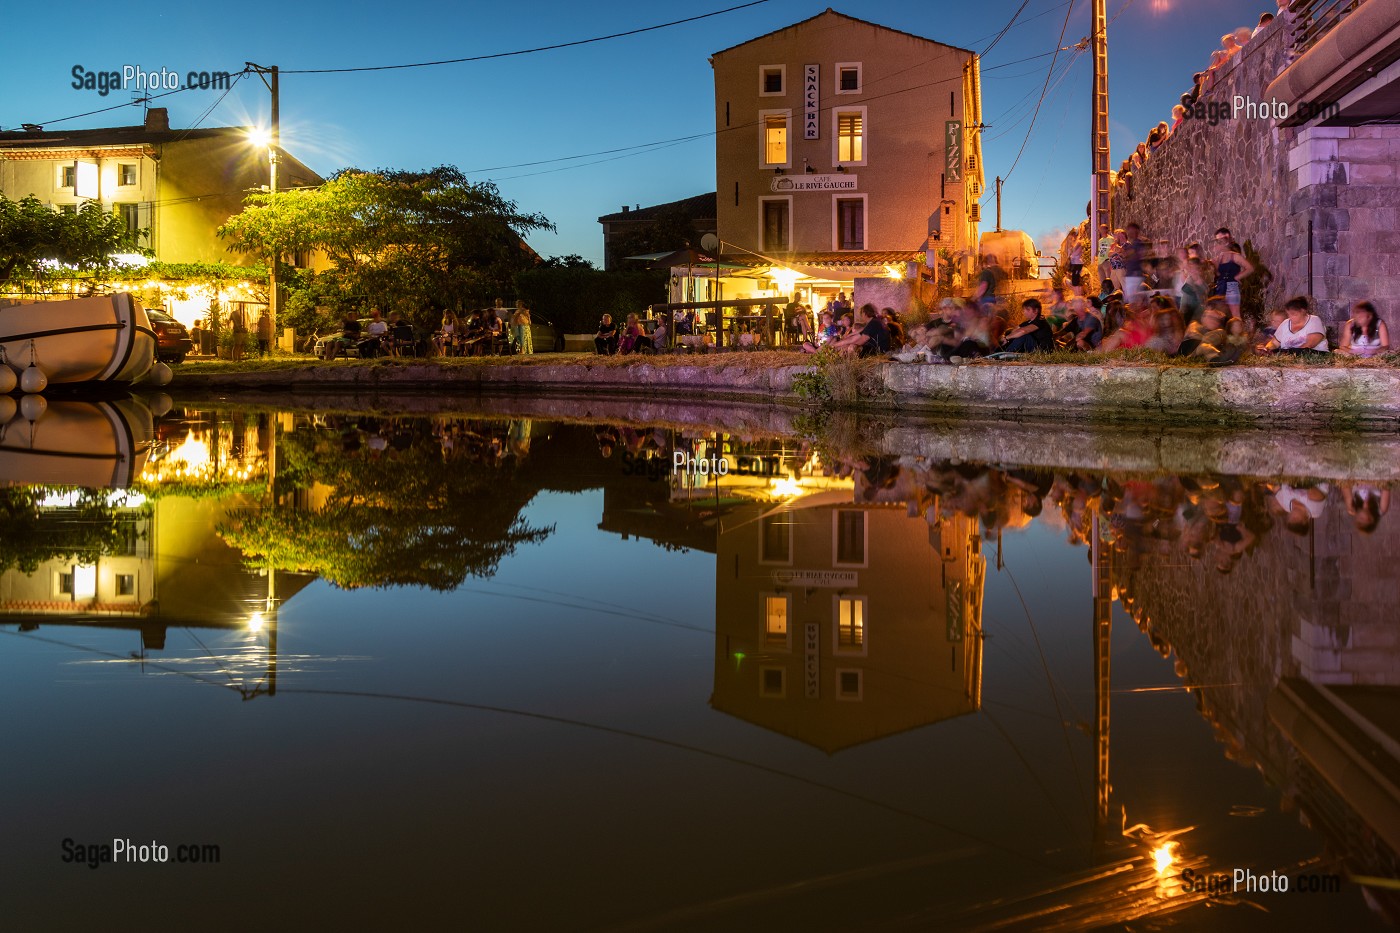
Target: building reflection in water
(840, 620)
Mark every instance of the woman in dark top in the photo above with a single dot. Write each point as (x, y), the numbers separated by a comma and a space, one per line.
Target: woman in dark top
(1033, 335)
(1230, 267)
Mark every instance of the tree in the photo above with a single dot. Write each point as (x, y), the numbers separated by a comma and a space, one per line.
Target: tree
(86, 527)
(411, 241)
(34, 235)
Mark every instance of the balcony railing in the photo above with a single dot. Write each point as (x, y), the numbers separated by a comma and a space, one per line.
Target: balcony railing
(1313, 19)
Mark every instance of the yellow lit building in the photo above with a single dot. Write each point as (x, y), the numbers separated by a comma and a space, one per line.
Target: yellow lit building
(844, 150)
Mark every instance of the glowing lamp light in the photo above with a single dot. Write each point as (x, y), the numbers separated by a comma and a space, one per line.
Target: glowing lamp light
(893, 273)
(786, 488)
(255, 623)
(1162, 858)
(784, 279)
(85, 581)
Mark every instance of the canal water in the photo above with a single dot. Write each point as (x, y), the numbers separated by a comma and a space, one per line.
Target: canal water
(501, 671)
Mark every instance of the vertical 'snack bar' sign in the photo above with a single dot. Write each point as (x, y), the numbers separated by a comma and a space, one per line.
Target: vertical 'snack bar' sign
(811, 101)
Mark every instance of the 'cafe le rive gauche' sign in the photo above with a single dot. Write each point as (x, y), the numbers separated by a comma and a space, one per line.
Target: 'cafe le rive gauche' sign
(841, 181)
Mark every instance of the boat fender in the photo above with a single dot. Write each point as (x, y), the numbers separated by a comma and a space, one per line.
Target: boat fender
(33, 407)
(7, 411)
(160, 404)
(33, 381)
(8, 379)
(160, 375)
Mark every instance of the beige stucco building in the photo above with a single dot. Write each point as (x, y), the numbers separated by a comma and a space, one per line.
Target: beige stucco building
(179, 185)
(844, 147)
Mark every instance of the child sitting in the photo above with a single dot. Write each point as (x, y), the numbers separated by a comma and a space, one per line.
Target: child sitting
(917, 349)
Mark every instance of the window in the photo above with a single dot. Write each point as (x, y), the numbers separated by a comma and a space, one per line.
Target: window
(850, 223)
(772, 80)
(848, 131)
(850, 624)
(126, 584)
(777, 227)
(849, 684)
(776, 538)
(65, 584)
(772, 682)
(67, 176)
(130, 215)
(848, 78)
(126, 174)
(850, 538)
(775, 621)
(68, 208)
(774, 125)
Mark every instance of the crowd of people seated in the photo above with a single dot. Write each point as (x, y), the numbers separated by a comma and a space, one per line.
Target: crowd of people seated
(490, 331)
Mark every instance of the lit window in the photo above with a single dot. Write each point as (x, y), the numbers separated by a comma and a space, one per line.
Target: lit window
(775, 139)
(775, 621)
(84, 581)
(850, 137)
(776, 225)
(772, 682)
(850, 537)
(850, 623)
(850, 223)
(126, 173)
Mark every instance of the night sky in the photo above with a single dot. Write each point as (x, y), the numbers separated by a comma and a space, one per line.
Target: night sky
(651, 88)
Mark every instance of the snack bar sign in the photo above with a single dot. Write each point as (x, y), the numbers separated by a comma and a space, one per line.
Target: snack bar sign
(811, 101)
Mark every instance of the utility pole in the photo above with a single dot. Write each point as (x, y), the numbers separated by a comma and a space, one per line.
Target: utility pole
(268, 74)
(1101, 555)
(1100, 211)
(998, 204)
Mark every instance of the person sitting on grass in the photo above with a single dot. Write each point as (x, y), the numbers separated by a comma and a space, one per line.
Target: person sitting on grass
(873, 338)
(605, 340)
(1300, 334)
(1206, 338)
(1167, 327)
(634, 337)
(1084, 330)
(916, 350)
(1033, 334)
(1365, 334)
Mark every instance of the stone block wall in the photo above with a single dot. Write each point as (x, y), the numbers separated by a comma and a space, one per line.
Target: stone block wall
(1267, 183)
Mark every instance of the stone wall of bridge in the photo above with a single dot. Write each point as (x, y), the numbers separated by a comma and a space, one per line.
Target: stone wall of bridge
(1317, 208)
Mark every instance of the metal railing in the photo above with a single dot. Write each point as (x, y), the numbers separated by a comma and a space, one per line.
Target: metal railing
(1313, 19)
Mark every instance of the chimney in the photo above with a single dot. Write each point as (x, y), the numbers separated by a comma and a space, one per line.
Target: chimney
(625, 208)
(158, 118)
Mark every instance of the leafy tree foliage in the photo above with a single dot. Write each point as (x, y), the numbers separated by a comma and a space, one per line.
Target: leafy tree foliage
(31, 534)
(31, 232)
(408, 241)
(404, 516)
(574, 297)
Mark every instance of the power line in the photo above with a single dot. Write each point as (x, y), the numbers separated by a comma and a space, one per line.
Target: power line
(1007, 28)
(1045, 87)
(541, 48)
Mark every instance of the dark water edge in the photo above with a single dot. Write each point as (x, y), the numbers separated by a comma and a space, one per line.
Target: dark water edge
(491, 661)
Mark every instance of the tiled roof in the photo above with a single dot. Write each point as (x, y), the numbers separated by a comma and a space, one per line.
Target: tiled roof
(108, 136)
(830, 12)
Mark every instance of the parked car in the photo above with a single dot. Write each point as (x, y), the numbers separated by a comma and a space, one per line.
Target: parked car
(172, 339)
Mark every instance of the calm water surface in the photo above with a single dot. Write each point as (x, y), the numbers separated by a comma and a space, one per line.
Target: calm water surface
(511, 673)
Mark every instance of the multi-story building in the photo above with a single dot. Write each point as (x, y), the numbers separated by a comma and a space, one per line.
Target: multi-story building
(846, 149)
(177, 185)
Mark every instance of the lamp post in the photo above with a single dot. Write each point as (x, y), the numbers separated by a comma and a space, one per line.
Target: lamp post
(268, 74)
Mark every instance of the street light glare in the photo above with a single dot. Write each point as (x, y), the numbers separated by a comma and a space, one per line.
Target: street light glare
(260, 137)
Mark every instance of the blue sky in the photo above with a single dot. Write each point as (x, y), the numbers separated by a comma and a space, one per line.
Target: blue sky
(640, 89)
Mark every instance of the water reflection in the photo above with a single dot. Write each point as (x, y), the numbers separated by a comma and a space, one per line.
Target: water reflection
(850, 616)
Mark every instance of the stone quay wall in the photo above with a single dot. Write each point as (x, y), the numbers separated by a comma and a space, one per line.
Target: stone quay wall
(1269, 184)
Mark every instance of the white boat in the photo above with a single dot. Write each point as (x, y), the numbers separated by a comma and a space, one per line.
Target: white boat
(105, 338)
(74, 443)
